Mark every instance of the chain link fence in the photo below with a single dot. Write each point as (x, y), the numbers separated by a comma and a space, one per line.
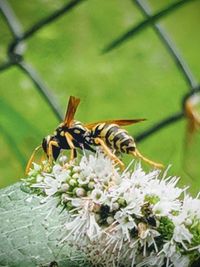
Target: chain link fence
(16, 48)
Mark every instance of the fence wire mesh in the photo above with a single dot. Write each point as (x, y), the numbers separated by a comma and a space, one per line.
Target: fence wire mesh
(15, 53)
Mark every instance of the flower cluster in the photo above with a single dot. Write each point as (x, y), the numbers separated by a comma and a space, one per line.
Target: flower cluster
(128, 218)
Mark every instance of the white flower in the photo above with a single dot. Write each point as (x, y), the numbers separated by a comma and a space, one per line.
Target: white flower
(181, 234)
(190, 207)
(93, 229)
(141, 179)
(51, 185)
(98, 167)
(152, 260)
(39, 178)
(125, 222)
(134, 199)
(147, 236)
(109, 213)
(98, 196)
(51, 182)
(35, 170)
(169, 249)
(164, 207)
(61, 174)
(83, 225)
(179, 260)
(77, 202)
(86, 168)
(83, 179)
(167, 194)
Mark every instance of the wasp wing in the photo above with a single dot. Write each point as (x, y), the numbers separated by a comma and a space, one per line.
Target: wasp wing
(118, 122)
(71, 110)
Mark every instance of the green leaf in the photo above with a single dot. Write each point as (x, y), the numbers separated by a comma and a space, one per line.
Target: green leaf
(30, 232)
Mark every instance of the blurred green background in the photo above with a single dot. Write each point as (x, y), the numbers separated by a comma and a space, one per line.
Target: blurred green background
(138, 79)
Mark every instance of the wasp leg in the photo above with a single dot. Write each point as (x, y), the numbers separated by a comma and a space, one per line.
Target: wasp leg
(137, 154)
(107, 151)
(69, 139)
(50, 150)
(43, 157)
(31, 159)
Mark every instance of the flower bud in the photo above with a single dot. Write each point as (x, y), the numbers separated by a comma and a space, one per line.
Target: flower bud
(72, 182)
(64, 187)
(39, 178)
(76, 169)
(115, 206)
(75, 175)
(110, 220)
(80, 192)
(121, 201)
(69, 205)
(91, 185)
(89, 193)
(63, 159)
(188, 221)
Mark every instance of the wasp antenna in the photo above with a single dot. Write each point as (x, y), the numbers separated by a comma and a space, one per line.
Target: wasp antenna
(31, 159)
(136, 153)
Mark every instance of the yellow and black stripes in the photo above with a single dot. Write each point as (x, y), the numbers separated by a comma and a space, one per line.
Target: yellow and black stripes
(115, 137)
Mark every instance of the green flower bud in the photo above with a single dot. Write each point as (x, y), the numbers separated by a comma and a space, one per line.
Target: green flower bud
(91, 185)
(121, 201)
(76, 169)
(72, 182)
(75, 175)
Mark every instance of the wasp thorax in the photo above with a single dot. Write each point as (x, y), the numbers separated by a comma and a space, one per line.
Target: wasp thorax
(77, 128)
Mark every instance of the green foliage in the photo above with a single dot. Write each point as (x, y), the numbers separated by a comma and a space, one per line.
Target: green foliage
(166, 228)
(139, 79)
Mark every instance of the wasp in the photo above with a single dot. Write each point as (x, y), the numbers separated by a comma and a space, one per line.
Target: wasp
(72, 135)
